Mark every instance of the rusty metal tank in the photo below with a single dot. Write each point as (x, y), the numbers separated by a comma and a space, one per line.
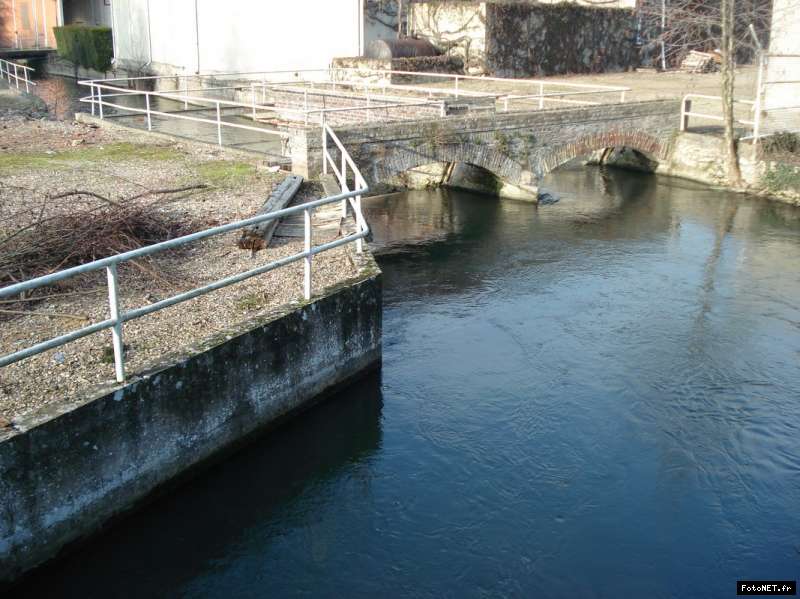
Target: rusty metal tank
(400, 48)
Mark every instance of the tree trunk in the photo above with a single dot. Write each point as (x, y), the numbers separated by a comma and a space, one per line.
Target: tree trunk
(399, 19)
(728, 64)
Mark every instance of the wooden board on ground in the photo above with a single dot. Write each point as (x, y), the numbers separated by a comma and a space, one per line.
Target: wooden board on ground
(326, 222)
(258, 236)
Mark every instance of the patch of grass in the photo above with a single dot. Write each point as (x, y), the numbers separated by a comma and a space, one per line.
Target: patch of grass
(251, 302)
(782, 177)
(116, 152)
(225, 172)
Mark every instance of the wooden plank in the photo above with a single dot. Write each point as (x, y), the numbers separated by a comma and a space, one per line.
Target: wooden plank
(258, 237)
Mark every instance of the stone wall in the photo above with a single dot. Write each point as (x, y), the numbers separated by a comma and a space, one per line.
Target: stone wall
(457, 28)
(67, 470)
(529, 41)
(363, 69)
(509, 38)
(517, 147)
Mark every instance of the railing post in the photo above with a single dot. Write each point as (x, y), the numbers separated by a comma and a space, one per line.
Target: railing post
(91, 89)
(147, 106)
(757, 105)
(25, 74)
(219, 125)
(359, 241)
(344, 171)
(16, 76)
(253, 97)
(116, 329)
(443, 109)
(100, 100)
(324, 150)
(686, 108)
(307, 260)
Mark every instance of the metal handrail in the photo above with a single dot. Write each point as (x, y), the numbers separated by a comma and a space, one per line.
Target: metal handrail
(341, 174)
(15, 75)
(105, 88)
(118, 318)
(686, 112)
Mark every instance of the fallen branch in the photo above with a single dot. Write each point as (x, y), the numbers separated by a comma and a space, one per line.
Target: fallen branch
(78, 192)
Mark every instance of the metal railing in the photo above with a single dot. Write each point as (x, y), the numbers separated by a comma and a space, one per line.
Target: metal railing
(11, 71)
(686, 111)
(540, 86)
(118, 318)
(259, 85)
(328, 163)
(100, 101)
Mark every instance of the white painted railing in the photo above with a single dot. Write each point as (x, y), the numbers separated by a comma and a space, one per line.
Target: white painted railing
(100, 94)
(16, 74)
(340, 170)
(530, 94)
(118, 318)
(687, 111)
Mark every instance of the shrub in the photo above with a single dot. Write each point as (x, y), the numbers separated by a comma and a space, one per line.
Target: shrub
(89, 47)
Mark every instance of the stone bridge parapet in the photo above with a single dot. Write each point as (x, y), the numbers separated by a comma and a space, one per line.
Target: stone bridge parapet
(519, 148)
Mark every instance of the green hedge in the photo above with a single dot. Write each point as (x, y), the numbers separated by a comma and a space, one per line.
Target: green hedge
(89, 47)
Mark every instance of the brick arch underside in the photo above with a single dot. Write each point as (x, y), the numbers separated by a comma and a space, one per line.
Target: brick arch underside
(638, 140)
(400, 160)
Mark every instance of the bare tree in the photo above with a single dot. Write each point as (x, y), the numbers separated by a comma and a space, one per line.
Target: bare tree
(673, 28)
(728, 68)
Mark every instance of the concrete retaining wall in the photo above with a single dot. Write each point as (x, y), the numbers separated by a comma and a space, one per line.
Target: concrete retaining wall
(65, 472)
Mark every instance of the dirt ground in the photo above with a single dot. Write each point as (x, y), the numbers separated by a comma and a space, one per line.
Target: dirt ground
(40, 158)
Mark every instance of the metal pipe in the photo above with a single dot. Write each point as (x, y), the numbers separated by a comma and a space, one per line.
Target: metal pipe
(116, 329)
(308, 254)
(197, 34)
(149, 37)
(219, 126)
(14, 18)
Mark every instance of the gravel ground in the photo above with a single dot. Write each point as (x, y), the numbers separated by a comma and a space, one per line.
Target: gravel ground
(41, 157)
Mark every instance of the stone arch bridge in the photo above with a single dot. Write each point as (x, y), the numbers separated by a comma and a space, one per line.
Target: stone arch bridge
(518, 148)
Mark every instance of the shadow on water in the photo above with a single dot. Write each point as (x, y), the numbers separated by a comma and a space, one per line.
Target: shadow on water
(235, 508)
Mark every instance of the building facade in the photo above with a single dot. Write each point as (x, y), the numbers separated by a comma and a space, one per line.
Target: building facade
(190, 36)
(28, 24)
(782, 78)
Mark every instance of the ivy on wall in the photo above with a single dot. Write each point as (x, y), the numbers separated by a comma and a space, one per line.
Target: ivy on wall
(535, 39)
(88, 47)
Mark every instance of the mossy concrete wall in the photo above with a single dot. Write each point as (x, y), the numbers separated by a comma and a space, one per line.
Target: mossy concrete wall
(65, 472)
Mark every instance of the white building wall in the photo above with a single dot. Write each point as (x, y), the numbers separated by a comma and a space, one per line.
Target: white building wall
(237, 36)
(784, 39)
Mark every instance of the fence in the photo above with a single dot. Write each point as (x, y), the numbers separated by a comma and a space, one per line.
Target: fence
(377, 99)
(11, 71)
(775, 108)
(117, 319)
(716, 116)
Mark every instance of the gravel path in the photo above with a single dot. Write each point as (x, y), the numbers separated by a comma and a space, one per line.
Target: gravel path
(40, 157)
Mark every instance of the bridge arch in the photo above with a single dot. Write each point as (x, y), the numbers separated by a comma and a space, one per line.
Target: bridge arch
(401, 159)
(650, 146)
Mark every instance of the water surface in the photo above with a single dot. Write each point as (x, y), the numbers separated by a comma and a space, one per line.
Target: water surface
(596, 398)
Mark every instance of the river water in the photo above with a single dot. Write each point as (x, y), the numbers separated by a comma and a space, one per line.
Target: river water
(595, 398)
